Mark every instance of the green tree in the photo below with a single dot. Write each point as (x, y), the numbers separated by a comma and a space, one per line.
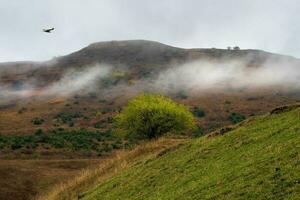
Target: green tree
(150, 116)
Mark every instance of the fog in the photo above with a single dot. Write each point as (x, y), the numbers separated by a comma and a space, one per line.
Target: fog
(208, 75)
(72, 82)
(223, 75)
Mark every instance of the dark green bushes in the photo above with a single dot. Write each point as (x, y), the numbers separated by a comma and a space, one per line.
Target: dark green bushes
(99, 125)
(81, 141)
(198, 112)
(106, 110)
(64, 117)
(198, 131)
(102, 101)
(38, 121)
(236, 118)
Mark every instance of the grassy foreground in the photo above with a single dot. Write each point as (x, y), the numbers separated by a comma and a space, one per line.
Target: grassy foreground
(110, 166)
(259, 160)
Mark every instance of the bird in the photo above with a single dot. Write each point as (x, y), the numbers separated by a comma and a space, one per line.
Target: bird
(48, 30)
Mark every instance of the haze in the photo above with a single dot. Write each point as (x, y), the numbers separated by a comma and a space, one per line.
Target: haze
(257, 24)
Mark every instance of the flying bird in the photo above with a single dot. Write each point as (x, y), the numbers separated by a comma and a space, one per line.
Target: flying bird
(48, 30)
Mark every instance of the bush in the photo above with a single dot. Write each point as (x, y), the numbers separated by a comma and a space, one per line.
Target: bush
(37, 121)
(80, 140)
(181, 95)
(39, 132)
(99, 125)
(68, 117)
(150, 116)
(198, 112)
(23, 109)
(102, 101)
(236, 118)
(198, 131)
(106, 110)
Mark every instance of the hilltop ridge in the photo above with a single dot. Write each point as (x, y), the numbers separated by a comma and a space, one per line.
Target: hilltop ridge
(134, 56)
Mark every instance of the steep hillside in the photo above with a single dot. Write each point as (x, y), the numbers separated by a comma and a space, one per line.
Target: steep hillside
(257, 160)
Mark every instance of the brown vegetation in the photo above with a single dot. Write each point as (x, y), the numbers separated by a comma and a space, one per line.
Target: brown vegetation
(24, 179)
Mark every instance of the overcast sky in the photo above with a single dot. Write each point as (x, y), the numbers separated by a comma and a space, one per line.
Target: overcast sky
(271, 25)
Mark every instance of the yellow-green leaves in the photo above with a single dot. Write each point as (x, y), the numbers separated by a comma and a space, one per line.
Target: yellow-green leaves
(154, 115)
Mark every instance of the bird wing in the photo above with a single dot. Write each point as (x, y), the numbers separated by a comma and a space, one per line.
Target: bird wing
(48, 30)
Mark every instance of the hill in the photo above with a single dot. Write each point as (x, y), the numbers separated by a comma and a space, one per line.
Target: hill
(137, 57)
(103, 76)
(259, 159)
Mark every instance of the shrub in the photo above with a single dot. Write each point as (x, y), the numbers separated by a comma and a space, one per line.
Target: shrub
(99, 125)
(150, 116)
(68, 117)
(92, 95)
(236, 117)
(2, 142)
(106, 110)
(182, 95)
(109, 81)
(23, 109)
(227, 102)
(17, 144)
(37, 121)
(118, 74)
(198, 131)
(39, 132)
(71, 124)
(102, 101)
(198, 112)
(78, 140)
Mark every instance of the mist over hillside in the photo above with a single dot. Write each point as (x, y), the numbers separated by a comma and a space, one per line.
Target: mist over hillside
(140, 65)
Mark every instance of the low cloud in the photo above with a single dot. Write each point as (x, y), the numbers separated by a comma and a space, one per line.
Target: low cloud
(71, 82)
(209, 75)
(202, 76)
(74, 81)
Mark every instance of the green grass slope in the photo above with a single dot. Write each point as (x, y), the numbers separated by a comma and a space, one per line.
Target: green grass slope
(259, 160)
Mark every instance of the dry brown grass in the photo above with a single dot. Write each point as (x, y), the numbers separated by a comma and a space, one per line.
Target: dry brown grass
(24, 179)
(110, 167)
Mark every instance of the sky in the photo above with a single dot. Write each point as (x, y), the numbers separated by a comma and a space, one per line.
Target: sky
(270, 25)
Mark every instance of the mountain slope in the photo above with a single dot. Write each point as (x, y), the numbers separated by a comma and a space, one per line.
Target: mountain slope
(258, 160)
(137, 57)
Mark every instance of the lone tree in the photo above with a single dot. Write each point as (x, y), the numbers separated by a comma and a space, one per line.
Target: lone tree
(150, 116)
